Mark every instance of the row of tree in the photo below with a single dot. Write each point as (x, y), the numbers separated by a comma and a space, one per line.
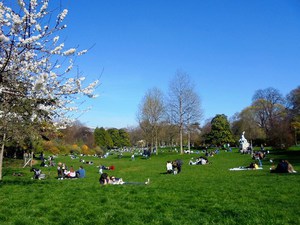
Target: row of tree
(273, 124)
(180, 111)
(272, 119)
(111, 138)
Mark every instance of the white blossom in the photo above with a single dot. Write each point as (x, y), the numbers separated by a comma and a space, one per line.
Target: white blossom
(3, 38)
(69, 68)
(71, 51)
(30, 39)
(57, 49)
(82, 52)
(55, 39)
(62, 16)
(38, 27)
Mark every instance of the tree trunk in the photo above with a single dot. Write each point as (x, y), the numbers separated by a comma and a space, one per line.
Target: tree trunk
(156, 142)
(189, 140)
(181, 141)
(1, 155)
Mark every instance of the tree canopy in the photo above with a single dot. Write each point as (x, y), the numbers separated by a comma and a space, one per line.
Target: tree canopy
(220, 132)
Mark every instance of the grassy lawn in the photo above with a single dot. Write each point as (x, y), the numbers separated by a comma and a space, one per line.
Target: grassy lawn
(207, 194)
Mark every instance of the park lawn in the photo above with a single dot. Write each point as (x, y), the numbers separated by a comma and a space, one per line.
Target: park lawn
(207, 194)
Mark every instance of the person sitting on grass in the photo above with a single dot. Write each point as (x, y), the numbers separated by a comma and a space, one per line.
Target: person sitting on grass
(106, 179)
(61, 171)
(283, 167)
(80, 173)
(177, 164)
(71, 173)
(169, 167)
(37, 174)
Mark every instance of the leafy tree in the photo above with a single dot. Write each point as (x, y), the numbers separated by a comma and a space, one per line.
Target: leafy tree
(115, 137)
(293, 103)
(245, 121)
(37, 82)
(268, 105)
(195, 134)
(135, 135)
(296, 129)
(125, 139)
(220, 133)
(102, 138)
(205, 130)
(183, 104)
(271, 115)
(293, 100)
(168, 134)
(77, 133)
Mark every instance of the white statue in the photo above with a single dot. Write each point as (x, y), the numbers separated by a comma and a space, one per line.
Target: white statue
(244, 144)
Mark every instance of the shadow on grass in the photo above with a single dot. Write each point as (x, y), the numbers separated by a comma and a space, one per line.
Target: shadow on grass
(19, 182)
(291, 156)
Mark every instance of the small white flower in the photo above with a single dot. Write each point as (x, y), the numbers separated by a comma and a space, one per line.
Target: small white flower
(71, 51)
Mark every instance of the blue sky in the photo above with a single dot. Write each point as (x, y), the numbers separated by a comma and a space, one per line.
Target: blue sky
(230, 49)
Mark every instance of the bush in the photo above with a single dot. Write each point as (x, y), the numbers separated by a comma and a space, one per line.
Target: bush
(85, 150)
(98, 150)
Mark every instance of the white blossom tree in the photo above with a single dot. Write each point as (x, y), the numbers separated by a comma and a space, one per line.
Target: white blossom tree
(37, 79)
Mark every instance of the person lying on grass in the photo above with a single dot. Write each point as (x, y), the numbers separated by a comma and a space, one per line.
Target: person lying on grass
(199, 161)
(106, 179)
(102, 167)
(252, 166)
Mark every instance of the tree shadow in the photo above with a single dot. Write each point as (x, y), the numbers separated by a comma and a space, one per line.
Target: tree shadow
(292, 156)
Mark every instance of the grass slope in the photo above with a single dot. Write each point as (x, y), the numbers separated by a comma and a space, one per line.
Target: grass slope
(208, 194)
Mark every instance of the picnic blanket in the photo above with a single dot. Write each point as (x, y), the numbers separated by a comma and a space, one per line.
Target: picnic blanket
(244, 168)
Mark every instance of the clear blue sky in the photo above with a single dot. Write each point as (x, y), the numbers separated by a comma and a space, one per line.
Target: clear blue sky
(229, 48)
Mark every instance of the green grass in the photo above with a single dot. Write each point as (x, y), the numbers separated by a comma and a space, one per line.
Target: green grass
(208, 194)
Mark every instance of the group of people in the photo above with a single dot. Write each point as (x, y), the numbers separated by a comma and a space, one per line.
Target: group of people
(47, 162)
(174, 167)
(199, 161)
(105, 179)
(63, 172)
(283, 166)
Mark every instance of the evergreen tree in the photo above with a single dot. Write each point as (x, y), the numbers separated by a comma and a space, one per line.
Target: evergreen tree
(125, 139)
(220, 133)
(102, 138)
(115, 136)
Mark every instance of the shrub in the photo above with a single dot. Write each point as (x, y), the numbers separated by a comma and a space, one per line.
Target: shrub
(85, 150)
